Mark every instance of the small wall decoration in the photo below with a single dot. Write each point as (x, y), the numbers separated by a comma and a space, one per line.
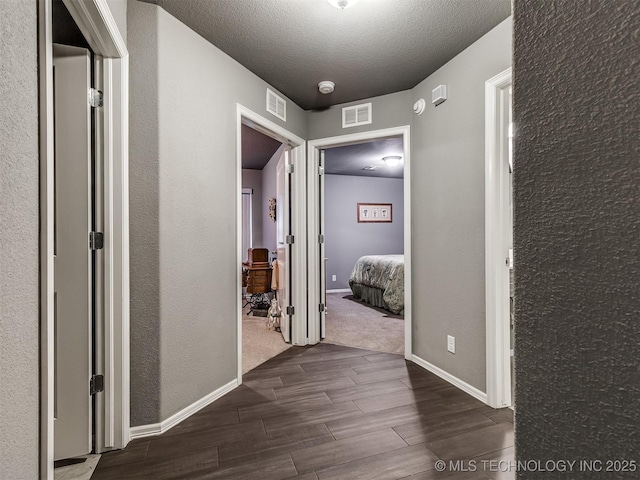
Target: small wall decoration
(375, 213)
(272, 209)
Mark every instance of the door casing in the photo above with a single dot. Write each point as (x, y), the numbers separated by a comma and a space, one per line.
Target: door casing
(498, 333)
(97, 24)
(313, 215)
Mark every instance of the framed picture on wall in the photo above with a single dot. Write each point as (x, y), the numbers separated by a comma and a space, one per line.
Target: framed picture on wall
(375, 213)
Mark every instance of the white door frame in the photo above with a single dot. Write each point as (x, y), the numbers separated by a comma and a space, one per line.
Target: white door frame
(496, 276)
(314, 221)
(299, 223)
(97, 24)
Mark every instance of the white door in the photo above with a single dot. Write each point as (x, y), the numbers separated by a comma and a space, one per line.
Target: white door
(283, 222)
(72, 263)
(321, 248)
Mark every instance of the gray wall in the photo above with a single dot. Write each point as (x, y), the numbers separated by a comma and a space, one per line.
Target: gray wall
(144, 227)
(577, 254)
(447, 169)
(19, 233)
(253, 179)
(393, 110)
(347, 240)
(183, 172)
(119, 11)
(269, 190)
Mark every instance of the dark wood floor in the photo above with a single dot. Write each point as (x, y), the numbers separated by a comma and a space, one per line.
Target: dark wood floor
(327, 412)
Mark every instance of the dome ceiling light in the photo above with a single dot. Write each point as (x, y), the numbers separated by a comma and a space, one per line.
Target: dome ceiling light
(392, 160)
(342, 4)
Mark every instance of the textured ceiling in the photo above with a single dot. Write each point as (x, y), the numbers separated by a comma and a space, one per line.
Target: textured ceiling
(374, 48)
(257, 148)
(351, 159)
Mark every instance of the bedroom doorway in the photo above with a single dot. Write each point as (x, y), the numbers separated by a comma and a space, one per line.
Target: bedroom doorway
(262, 156)
(270, 163)
(359, 211)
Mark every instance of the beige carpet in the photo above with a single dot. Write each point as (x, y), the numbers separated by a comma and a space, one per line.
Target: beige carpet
(258, 343)
(355, 324)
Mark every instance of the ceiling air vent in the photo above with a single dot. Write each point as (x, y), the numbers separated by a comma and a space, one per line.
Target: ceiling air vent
(356, 115)
(276, 105)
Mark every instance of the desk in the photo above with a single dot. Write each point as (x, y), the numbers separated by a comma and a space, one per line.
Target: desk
(257, 278)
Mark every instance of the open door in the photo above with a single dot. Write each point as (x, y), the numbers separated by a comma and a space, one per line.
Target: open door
(284, 241)
(72, 255)
(321, 247)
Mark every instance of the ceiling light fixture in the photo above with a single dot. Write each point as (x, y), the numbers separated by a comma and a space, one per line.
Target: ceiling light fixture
(392, 160)
(326, 86)
(342, 4)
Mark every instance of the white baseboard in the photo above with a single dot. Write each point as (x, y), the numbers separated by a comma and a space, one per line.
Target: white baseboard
(159, 428)
(455, 381)
(339, 290)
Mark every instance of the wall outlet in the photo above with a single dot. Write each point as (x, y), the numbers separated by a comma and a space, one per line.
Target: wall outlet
(451, 344)
(333, 278)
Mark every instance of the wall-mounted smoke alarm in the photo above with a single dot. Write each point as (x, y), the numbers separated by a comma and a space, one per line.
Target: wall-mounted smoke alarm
(439, 95)
(326, 86)
(418, 107)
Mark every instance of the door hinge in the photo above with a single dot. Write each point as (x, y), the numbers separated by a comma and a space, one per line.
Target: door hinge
(289, 168)
(290, 239)
(96, 384)
(96, 240)
(291, 310)
(320, 170)
(320, 238)
(321, 307)
(95, 98)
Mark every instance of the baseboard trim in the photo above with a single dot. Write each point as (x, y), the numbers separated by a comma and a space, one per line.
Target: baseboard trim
(154, 429)
(340, 290)
(453, 380)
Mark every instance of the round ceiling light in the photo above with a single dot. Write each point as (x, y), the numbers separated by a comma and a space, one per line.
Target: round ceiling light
(326, 86)
(342, 4)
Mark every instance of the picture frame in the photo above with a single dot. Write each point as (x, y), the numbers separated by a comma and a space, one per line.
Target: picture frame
(375, 212)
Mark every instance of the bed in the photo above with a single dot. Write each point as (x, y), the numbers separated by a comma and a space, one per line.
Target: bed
(379, 281)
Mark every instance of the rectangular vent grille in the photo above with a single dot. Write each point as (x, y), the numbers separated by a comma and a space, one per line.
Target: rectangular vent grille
(276, 105)
(356, 115)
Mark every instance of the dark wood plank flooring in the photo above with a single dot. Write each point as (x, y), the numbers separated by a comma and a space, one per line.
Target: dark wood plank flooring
(327, 412)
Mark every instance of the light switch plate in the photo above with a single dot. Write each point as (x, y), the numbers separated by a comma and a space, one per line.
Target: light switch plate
(451, 344)
(333, 278)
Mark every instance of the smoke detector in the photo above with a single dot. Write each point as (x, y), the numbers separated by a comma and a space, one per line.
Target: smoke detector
(326, 86)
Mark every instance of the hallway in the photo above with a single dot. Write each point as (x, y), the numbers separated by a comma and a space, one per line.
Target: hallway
(327, 412)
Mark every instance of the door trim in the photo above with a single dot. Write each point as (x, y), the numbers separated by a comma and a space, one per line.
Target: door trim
(314, 147)
(297, 196)
(95, 20)
(497, 320)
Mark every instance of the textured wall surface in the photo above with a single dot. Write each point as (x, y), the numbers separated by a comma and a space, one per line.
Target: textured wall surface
(577, 231)
(447, 173)
(144, 194)
(347, 240)
(393, 110)
(19, 231)
(183, 237)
